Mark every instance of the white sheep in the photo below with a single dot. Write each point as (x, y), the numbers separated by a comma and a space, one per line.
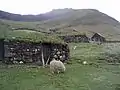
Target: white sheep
(57, 66)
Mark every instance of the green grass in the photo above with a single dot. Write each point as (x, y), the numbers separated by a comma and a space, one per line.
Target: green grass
(87, 52)
(67, 24)
(76, 77)
(4, 29)
(25, 35)
(33, 36)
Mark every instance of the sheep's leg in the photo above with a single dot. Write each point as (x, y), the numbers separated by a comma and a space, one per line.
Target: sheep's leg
(47, 60)
(52, 71)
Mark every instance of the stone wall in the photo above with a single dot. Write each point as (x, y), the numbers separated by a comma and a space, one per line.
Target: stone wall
(75, 38)
(17, 51)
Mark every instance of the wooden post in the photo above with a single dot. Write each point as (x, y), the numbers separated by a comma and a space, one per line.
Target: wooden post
(47, 60)
(43, 61)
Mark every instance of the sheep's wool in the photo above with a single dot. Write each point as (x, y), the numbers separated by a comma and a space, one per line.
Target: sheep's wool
(57, 66)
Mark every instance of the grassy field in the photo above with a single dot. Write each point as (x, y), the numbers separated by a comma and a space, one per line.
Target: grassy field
(66, 25)
(97, 75)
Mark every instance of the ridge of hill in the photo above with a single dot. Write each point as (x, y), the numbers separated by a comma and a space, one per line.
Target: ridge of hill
(65, 21)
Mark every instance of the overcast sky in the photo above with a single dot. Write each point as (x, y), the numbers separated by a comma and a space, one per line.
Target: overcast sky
(110, 7)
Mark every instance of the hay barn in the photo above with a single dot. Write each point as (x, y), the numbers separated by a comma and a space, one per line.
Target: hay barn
(27, 50)
(98, 38)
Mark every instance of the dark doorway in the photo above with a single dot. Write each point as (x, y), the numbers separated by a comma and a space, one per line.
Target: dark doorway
(1, 49)
(46, 48)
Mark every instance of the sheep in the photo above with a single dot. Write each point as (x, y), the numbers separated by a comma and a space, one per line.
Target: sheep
(57, 66)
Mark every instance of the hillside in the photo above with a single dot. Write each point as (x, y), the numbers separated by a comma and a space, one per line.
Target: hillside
(18, 17)
(65, 21)
(84, 20)
(39, 17)
(4, 29)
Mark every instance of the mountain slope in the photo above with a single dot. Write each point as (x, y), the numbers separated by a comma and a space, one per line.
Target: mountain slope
(39, 17)
(65, 21)
(84, 20)
(18, 17)
(83, 17)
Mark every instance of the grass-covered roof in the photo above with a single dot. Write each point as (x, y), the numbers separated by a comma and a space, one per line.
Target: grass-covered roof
(73, 33)
(32, 36)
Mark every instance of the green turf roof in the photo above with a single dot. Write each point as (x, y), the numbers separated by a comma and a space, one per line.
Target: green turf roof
(32, 36)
